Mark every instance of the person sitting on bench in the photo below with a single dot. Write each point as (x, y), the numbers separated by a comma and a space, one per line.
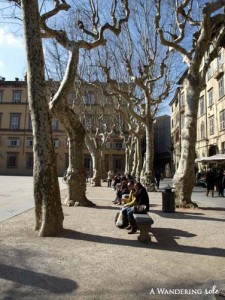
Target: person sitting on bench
(141, 198)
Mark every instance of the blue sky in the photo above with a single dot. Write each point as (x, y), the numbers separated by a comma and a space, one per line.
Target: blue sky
(12, 55)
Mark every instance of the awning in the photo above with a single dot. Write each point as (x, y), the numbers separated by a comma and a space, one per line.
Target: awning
(211, 159)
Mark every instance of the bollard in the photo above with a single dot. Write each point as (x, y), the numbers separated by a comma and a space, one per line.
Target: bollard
(168, 200)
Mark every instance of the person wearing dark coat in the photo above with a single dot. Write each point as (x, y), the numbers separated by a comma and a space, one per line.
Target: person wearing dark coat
(220, 186)
(210, 181)
(141, 198)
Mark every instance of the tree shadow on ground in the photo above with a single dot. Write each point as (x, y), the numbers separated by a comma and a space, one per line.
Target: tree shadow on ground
(165, 241)
(212, 208)
(186, 216)
(107, 207)
(47, 282)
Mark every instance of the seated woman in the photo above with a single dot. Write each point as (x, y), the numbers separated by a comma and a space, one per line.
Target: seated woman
(128, 202)
(141, 198)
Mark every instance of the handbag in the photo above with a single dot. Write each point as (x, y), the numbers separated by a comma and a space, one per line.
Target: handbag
(140, 209)
(119, 221)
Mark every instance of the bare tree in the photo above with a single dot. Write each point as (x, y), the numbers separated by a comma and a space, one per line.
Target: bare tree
(147, 75)
(93, 36)
(205, 28)
(48, 210)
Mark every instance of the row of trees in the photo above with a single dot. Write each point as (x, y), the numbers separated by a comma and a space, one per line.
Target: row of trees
(137, 63)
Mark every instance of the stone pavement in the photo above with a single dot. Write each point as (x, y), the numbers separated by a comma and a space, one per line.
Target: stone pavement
(16, 195)
(92, 259)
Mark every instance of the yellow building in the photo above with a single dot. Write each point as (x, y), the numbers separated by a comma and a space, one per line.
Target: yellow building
(211, 113)
(16, 141)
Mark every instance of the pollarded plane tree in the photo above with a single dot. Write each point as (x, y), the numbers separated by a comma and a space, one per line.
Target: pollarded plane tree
(96, 114)
(146, 67)
(48, 210)
(92, 36)
(132, 135)
(192, 28)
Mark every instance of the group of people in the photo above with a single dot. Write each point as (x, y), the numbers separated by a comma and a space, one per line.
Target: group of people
(215, 181)
(131, 195)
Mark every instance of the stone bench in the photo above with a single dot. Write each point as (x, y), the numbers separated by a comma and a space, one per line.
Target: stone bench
(144, 223)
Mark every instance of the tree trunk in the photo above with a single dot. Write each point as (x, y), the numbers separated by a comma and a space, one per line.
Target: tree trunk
(139, 160)
(96, 160)
(149, 178)
(129, 154)
(48, 209)
(75, 176)
(184, 178)
(134, 160)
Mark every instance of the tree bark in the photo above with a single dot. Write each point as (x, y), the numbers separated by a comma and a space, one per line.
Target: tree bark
(139, 159)
(75, 176)
(48, 209)
(149, 178)
(184, 178)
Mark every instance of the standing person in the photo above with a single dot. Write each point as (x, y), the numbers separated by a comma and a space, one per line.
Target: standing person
(219, 182)
(223, 184)
(210, 181)
(158, 177)
(109, 178)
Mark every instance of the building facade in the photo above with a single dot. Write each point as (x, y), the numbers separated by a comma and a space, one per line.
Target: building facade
(16, 141)
(211, 113)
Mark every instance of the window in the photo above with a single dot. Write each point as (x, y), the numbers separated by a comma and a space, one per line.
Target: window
(0, 120)
(14, 121)
(16, 96)
(177, 117)
(220, 59)
(118, 164)
(108, 145)
(211, 125)
(209, 72)
(12, 160)
(29, 161)
(223, 147)
(56, 143)
(13, 142)
(72, 98)
(29, 124)
(222, 120)
(1, 96)
(90, 98)
(54, 124)
(182, 121)
(201, 106)
(210, 97)
(182, 100)
(221, 86)
(202, 130)
(29, 142)
(118, 145)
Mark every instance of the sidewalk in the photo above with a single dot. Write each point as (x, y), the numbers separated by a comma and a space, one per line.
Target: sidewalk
(92, 259)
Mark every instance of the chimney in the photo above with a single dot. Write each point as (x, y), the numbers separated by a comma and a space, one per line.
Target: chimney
(17, 79)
